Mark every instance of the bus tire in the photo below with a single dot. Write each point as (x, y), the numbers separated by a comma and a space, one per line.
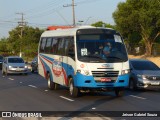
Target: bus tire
(56, 86)
(119, 92)
(74, 91)
(51, 84)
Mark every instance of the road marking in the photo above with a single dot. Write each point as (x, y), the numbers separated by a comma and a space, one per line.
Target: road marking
(45, 90)
(93, 108)
(138, 97)
(66, 98)
(32, 86)
(20, 82)
(11, 78)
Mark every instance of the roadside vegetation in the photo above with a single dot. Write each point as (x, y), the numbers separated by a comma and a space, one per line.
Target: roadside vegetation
(139, 23)
(28, 43)
(137, 20)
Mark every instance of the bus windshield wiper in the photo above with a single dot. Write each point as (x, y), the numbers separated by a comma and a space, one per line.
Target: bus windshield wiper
(93, 56)
(115, 57)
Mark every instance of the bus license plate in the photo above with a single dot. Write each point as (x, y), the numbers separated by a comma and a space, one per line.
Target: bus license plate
(105, 79)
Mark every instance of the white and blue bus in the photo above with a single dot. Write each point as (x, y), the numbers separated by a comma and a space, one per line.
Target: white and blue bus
(74, 58)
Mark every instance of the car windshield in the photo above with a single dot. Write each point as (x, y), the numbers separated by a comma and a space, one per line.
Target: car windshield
(92, 47)
(144, 65)
(15, 60)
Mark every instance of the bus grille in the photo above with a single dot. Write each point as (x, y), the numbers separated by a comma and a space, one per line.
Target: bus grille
(105, 74)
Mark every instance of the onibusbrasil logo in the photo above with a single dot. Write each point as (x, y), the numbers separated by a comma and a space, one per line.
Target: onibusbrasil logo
(21, 114)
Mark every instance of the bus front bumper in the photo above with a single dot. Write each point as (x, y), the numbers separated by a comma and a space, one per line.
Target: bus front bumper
(89, 82)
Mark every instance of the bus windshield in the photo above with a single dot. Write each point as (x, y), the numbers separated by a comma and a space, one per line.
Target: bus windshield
(100, 47)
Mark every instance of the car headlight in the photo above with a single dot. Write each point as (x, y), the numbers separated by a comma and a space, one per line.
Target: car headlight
(26, 66)
(125, 71)
(10, 66)
(84, 72)
(142, 76)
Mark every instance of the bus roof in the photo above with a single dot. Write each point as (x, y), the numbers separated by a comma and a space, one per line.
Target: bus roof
(67, 32)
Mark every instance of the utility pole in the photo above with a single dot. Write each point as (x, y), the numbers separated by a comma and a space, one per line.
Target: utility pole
(73, 11)
(21, 24)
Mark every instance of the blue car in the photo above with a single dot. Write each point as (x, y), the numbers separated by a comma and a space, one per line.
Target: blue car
(144, 74)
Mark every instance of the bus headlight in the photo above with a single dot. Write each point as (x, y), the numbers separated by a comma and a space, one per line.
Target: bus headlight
(84, 72)
(125, 72)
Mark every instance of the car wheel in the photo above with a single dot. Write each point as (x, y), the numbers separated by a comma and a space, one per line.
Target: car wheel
(74, 91)
(132, 84)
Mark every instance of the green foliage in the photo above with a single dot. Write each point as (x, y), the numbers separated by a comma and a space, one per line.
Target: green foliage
(102, 24)
(140, 20)
(26, 40)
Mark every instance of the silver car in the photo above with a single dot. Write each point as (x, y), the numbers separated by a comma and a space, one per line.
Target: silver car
(14, 64)
(144, 74)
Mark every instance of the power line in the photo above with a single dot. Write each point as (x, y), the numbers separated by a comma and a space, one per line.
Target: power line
(45, 10)
(62, 17)
(44, 7)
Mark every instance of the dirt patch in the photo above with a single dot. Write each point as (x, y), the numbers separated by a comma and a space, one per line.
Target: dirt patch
(156, 60)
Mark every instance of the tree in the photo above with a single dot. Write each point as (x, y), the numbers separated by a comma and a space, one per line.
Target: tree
(141, 19)
(28, 42)
(4, 46)
(102, 24)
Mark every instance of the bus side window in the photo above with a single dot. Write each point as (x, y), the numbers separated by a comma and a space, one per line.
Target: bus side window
(61, 46)
(48, 45)
(54, 46)
(66, 46)
(71, 50)
(42, 45)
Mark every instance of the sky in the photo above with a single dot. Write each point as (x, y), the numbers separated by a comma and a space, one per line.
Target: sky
(43, 13)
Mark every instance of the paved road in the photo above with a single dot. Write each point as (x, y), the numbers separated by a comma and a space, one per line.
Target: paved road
(30, 93)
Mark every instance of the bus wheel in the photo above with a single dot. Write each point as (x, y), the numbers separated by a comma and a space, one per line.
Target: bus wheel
(74, 91)
(51, 84)
(56, 86)
(119, 92)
